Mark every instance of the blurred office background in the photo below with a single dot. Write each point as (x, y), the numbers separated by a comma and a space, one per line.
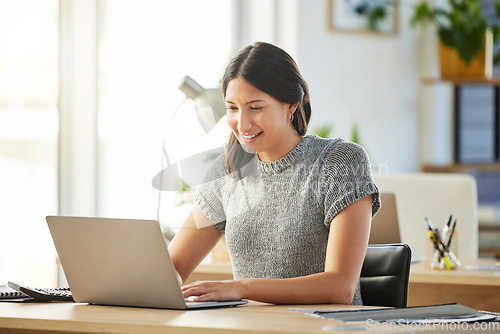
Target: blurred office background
(88, 86)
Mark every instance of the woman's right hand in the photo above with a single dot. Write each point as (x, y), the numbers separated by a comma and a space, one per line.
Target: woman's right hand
(204, 291)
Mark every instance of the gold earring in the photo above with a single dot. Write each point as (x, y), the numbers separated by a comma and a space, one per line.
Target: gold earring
(291, 117)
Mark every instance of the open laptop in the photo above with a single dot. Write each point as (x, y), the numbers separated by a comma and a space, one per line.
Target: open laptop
(385, 224)
(119, 262)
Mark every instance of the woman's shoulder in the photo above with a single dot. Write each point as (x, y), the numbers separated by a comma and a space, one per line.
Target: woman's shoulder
(335, 148)
(341, 159)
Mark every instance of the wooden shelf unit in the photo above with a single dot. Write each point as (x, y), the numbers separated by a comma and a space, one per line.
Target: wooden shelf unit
(463, 81)
(457, 83)
(463, 167)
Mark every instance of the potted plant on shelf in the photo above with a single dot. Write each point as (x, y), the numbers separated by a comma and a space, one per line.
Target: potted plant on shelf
(466, 33)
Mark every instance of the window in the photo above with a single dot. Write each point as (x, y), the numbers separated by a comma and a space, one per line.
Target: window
(145, 49)
(28, 139)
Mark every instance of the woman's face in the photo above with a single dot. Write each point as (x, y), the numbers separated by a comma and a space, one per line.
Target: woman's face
(260, 122)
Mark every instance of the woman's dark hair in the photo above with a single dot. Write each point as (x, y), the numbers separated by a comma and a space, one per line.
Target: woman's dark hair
(271, 70)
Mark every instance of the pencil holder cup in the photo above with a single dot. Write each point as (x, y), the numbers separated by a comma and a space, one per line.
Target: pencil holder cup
(440, 255)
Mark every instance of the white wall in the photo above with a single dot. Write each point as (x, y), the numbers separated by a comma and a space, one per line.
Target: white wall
(364, 79)
(373, 81)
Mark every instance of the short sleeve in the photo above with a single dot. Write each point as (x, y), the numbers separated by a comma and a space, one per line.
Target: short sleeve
(208, 195)
(346, 177)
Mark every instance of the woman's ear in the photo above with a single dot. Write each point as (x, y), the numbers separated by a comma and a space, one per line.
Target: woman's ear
(292, 108)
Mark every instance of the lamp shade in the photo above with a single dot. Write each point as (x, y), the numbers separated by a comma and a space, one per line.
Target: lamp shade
(210, 106)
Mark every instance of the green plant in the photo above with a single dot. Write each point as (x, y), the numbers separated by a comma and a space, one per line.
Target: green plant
(355, 138)
(461, 26)
(323, 131)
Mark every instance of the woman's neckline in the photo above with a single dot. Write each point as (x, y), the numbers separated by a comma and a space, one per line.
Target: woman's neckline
(287, 160)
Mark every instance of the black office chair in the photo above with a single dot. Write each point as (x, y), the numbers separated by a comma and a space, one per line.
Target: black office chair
(385, 274)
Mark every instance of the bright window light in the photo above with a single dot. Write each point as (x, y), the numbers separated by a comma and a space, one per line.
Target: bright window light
(145, 49)
(28, 139)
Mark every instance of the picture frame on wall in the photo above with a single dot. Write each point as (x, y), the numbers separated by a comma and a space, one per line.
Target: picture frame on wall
(379, 17)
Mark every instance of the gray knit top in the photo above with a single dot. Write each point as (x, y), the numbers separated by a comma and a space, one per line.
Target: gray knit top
(276, 217)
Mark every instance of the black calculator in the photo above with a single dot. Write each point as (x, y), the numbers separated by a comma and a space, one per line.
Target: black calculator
(44, 294)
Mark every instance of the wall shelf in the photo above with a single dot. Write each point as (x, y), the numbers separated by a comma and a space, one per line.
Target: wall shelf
(463, 81)
(458, 84)
(463, 167)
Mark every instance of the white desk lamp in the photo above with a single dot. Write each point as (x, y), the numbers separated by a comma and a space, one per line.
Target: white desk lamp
(210, 108)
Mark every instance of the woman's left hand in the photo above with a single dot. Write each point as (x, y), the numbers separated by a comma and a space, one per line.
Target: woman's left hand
(203, 291)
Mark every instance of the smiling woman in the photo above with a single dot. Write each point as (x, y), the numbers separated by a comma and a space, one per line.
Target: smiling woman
(261, 123)
(295, 209)
(286, 109)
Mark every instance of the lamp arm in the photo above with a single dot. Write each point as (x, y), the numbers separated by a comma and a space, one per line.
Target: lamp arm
(165, 153)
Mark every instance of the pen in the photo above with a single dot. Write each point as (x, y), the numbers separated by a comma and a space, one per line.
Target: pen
(451, 234)
(444, 237)
(440, 248)
(447, 249)
(436, 256)
(429, 224)
(452, 255)
(446, 230)
(447, 257)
